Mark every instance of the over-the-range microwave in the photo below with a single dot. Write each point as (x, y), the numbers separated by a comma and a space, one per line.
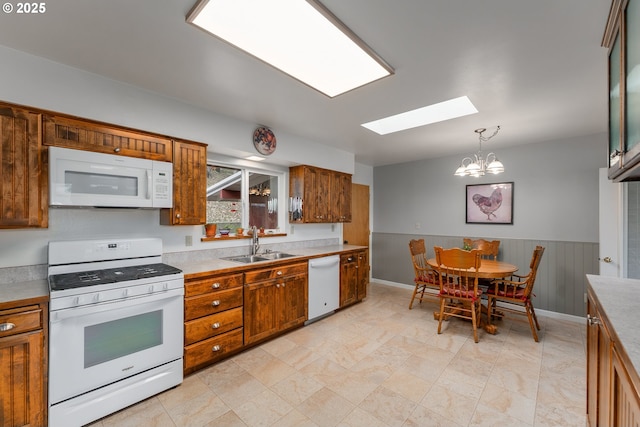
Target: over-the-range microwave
(89, 179)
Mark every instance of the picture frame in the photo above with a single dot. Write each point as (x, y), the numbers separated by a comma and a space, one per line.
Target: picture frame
(489, 203)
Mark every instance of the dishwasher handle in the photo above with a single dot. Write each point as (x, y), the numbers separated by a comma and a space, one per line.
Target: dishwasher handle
(325, 262)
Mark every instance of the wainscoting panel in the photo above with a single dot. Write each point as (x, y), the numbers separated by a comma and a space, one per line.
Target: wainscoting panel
(560, 286)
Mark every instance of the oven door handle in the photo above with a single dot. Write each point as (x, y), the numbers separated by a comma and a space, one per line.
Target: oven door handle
(74, 312)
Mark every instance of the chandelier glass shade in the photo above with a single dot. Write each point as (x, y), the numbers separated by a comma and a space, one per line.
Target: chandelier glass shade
(479, 165)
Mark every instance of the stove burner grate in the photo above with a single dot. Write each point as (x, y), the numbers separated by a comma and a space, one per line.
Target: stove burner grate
(81, 279)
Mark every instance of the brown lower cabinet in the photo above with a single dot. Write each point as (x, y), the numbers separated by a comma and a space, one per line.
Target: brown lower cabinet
(354, 277)
(226, 312)
(213, 319)
(613, 385)
(275, 300)
(23, 366)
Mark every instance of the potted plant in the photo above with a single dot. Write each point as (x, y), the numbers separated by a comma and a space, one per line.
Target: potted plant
(210, 229)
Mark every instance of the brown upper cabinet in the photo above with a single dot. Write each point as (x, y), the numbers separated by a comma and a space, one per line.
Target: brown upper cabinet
(319, 195)
(88, 135)
(189, 185)
(622, 38)
(23, 169)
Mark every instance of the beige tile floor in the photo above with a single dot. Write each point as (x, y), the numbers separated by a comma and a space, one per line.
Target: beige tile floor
(380, 364)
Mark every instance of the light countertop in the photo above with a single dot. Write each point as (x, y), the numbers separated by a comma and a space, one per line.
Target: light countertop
(222, 265)
(37, 291)
(31, 292)
(619, 300)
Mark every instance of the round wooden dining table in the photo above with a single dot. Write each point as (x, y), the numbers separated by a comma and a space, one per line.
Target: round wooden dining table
(489, 269)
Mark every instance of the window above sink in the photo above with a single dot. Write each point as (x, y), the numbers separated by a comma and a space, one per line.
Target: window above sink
(242, 197)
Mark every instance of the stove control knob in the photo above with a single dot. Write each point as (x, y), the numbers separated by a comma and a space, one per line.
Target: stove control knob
(151, 289)
(125, 293)
(76, 301)
(96, 298)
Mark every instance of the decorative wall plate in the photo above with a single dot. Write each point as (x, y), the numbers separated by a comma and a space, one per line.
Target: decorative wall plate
(264, 140)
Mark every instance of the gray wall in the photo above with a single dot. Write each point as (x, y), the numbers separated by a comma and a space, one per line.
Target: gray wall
(555, 204)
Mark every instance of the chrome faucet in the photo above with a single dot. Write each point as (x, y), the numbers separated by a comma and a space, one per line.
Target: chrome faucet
(255, 240)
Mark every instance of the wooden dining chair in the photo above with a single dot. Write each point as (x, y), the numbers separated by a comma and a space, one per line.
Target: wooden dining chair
(488, 248)
(424, 276)
(518, 291)
(458, 278)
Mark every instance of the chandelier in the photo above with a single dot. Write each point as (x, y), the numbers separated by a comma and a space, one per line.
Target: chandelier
(479, 165)
(260, 190)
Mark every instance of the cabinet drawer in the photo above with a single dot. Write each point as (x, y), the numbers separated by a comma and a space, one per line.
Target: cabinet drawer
(210, 326)
(212, 284)
(204, 305)
(275, 272)
(18, 320)
(212, 349)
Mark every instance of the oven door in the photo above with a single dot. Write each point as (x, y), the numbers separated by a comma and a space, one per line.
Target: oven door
(96, 345)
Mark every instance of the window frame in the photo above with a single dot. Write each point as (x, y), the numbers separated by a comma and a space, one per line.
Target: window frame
(247, 167)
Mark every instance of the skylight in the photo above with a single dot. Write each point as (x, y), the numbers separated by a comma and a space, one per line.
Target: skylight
(299, 37)
(434, 113)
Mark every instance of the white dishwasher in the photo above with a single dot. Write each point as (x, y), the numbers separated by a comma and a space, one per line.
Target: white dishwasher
(324, 286)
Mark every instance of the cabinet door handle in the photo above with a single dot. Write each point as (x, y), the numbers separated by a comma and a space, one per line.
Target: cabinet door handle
(116, 150)
(216, 303)
(215, 286)
(278, 273)
(216, 325)
(177, 215)
(592, 320)
(277, 285)
(6, 326)
(216, 348)
(283, 285)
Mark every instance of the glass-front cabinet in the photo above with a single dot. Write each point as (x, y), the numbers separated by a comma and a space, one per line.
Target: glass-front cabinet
(622, 38)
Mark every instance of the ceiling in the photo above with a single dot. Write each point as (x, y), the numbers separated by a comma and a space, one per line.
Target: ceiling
(536, 68)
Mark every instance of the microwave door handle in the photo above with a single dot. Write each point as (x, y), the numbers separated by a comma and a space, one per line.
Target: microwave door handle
(149, 184)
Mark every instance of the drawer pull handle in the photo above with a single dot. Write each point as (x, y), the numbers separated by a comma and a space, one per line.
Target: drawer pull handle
(216, 348)
(216, 303)
(6, 326)
(278, 273)
(215, 325)
(215, 286)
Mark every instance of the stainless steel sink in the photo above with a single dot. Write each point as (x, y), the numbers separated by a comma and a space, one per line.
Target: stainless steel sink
(276, 255)
(247, 258)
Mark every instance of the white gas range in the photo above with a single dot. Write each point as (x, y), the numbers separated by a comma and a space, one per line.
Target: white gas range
(115, 327)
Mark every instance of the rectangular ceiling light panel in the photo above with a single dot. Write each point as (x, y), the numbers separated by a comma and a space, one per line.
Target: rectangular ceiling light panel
(299, 37)
(439, 112)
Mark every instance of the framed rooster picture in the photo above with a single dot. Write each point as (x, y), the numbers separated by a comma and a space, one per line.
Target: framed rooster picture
(490, 203)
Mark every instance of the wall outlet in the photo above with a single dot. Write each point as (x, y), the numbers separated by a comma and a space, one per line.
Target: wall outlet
(188, 240)
(418, 225)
